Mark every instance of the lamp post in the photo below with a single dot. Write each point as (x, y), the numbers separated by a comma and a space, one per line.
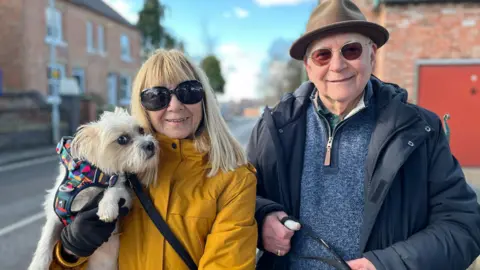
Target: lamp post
(54, 97)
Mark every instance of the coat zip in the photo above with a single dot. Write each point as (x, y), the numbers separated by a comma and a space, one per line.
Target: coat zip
(330, 137)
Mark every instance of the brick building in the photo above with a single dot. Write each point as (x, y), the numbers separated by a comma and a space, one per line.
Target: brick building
(434, 52)
(94, 45)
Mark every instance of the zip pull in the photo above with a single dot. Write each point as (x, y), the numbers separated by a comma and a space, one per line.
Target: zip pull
(328, 154)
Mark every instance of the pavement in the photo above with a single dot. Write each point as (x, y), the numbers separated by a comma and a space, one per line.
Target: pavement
(11, 157)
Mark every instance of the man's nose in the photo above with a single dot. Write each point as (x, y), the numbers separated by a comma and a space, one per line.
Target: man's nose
(337, 63)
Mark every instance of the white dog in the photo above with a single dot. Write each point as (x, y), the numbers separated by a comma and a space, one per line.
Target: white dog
(113, 145)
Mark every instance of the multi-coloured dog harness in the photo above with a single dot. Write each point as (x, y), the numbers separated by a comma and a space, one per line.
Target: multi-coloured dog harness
(80, 175)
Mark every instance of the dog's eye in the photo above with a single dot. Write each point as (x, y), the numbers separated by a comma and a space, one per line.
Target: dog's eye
(141, 131)
(124, 139)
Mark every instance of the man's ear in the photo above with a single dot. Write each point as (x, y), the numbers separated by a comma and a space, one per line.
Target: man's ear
(373, 55)
(305, 62)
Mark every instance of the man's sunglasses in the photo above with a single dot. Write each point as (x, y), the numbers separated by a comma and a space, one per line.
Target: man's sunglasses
(158, 97)
(350, 51)
(337, 261)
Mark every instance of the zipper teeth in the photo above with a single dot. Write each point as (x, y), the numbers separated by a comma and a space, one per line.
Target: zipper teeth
(330, 136)
(383, 145)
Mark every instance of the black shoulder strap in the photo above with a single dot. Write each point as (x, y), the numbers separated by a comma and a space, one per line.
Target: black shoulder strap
(160, 223)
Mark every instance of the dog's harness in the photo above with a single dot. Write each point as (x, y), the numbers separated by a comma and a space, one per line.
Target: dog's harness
(80, 175)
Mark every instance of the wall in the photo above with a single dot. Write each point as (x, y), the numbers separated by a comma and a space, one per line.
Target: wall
(11, 58)
(73, 53)
(434, 31)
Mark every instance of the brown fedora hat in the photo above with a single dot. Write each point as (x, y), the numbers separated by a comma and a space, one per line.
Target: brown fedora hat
(337, 16)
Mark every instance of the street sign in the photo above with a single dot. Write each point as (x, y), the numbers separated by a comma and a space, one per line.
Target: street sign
(53, 73)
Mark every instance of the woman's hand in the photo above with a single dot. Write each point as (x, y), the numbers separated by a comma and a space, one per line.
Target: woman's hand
(87, 232)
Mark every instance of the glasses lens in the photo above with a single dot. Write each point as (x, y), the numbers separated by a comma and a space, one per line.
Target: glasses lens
(189, 92)
(321, 56)
(156, 98)
(352, 51)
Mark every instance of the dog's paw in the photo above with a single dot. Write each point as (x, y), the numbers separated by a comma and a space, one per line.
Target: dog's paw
(107, 211)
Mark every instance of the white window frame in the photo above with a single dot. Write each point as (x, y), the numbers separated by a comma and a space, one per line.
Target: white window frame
(125, 51)
(112, 88)
(125, 91)
(80, 72)
(101, 39)
(57, 29)
(90, 43)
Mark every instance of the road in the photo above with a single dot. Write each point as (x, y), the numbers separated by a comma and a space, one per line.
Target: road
(22, 193)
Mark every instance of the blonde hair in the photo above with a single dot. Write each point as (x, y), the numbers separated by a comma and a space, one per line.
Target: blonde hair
(171, 67)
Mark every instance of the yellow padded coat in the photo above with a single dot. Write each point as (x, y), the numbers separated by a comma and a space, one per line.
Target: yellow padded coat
(212, 217)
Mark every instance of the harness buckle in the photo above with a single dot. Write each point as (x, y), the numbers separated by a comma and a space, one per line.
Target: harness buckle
(113, 180)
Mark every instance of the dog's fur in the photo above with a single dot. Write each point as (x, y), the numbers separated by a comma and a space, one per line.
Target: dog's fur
(97, 143)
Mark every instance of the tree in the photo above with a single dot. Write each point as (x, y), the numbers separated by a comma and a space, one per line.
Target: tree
(211, 66)
(153, 33)
(283, 77)
(149, 23)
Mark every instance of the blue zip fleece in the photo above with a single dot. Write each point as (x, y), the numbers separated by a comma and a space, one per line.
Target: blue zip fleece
(332, 198)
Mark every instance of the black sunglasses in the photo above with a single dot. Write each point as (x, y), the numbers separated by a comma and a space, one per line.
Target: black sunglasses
(158, 97)
(350, 51)
(337, 261)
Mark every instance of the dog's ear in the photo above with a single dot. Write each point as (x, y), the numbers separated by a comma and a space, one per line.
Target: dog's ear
(85, 142)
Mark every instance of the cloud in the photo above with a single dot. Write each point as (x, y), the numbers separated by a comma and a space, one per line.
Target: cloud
(241, 71)
(124, 8)
(269, 3)
(240, 12)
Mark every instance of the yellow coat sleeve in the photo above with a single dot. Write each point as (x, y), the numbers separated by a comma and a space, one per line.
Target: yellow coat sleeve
(58, 263)
(232, 241)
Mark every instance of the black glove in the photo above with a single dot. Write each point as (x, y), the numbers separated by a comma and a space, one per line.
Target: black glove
(87, 232)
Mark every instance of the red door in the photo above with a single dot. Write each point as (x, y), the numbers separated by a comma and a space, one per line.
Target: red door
(455, 89)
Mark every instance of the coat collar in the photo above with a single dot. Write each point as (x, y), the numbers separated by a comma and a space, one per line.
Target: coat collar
(184, 149)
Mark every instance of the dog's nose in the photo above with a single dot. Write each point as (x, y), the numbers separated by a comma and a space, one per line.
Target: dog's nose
(149, 147)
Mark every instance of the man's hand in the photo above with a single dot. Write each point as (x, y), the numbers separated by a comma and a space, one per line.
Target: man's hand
(275, 236)
(361, 264)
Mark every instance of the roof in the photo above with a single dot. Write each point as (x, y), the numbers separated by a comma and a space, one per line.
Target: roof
(427, 1)
(100, 7)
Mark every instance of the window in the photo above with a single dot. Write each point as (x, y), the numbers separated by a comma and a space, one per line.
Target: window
(90, 47)
(101, 39)
(125, 46)
(125, 89)
(112, 88)
(53, 19)
(79, 75)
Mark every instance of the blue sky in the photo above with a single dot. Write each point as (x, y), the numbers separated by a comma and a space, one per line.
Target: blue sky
(245, 33)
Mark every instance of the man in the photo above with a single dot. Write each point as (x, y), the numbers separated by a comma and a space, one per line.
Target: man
(358, 166)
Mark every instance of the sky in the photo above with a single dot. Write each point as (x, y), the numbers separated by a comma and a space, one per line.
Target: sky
(243, 34)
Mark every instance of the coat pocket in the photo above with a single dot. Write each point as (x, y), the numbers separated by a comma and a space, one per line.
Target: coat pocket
(194, 220)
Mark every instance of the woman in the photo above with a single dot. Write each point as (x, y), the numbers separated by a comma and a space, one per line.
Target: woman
(205, 189)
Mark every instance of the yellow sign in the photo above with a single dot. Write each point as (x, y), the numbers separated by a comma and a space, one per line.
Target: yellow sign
(55, 74)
